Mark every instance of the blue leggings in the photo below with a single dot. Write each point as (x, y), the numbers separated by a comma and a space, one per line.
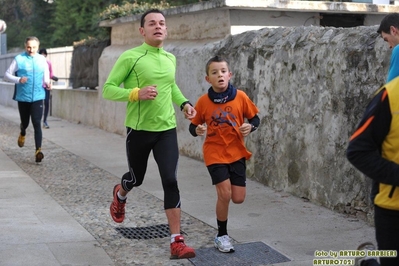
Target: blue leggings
(33, 111)
(164, 147)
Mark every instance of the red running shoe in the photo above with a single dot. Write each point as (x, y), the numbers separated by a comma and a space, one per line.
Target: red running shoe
(179, 250)
(117, 208)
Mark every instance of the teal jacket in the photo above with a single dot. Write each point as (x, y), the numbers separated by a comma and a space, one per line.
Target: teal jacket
(32, 67)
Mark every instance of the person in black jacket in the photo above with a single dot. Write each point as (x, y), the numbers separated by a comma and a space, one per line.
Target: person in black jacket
(374, 150)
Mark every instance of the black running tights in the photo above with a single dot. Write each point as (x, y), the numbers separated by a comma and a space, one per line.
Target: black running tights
(163, 145)
(33, 111)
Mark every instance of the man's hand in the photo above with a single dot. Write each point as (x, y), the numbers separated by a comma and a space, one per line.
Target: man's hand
(148, 93)
(23, 80)
(189, 111)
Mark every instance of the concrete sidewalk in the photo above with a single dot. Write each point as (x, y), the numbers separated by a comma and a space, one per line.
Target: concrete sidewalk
(44, 225)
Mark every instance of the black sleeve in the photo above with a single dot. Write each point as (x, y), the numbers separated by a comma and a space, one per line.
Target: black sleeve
(254, 121)
(364, 149)
(192, 128)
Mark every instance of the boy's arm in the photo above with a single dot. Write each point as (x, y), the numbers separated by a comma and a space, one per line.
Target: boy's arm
(196, 128)
(192, 128)
(364, 149)
(254, 121)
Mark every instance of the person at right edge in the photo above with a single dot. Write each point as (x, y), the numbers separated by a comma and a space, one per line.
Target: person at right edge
(375, 138)
(389, 31)
(148, 75)
(373, 149)
(221, 116)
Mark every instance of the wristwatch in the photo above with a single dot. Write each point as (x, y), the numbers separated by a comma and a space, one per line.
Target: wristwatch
(183, 104)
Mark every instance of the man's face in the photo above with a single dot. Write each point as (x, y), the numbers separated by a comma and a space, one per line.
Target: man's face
(154, 30)
(31, 47)
(391, 38)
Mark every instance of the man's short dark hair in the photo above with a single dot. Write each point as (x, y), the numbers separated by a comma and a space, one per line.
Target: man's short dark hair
(148, 12)
(388, 21)
(216, 58)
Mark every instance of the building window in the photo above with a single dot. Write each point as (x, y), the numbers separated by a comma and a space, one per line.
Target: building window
(341, 20)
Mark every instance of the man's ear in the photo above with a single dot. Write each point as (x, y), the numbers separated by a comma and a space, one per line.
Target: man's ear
(141, 30)
(207, 79)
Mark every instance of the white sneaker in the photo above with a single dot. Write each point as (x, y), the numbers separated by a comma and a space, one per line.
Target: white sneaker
(223, 244)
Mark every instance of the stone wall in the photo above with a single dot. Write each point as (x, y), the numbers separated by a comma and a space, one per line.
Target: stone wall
(84, 65)
(311, 85)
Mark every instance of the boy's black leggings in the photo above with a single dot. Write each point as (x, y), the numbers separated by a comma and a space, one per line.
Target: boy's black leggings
(33, 111)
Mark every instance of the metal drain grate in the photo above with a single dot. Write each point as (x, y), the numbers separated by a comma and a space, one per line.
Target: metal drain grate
(149, 232)
(247, 254)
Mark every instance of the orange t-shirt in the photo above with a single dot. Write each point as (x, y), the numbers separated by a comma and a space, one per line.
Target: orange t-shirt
(224, 142)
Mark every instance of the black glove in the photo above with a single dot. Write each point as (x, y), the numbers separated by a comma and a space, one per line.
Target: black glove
(54, 78)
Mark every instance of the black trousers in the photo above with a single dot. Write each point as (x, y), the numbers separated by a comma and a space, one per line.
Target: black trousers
(34, 112)
(387, 233)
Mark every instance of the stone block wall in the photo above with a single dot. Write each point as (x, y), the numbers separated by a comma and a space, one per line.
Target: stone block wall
(311, 85)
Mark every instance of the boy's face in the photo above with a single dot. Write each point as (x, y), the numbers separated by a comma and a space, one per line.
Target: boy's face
(391, 38)
(154, 30)
(218, 76)
(31, 47)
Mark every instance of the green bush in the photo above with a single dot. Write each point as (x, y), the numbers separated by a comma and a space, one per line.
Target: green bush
(127, 9)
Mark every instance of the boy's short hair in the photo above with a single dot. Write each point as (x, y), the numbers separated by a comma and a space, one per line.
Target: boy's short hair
(388, 21)
(216, 58)
(154, 10)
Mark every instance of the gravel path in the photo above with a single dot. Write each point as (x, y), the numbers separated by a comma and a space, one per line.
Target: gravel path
(85, 192)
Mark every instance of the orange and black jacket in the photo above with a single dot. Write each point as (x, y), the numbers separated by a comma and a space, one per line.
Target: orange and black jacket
(374, 147)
